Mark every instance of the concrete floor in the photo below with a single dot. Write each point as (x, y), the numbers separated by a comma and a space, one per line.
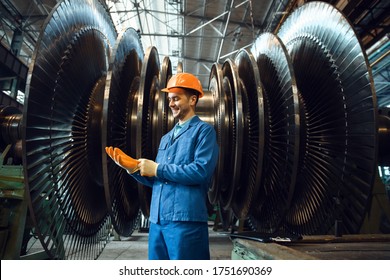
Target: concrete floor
(135, 247)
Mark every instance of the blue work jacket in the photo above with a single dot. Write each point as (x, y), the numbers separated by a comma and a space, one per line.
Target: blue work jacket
(186, 167)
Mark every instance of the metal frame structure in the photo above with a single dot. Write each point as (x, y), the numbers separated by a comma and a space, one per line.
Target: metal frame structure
(195, 34)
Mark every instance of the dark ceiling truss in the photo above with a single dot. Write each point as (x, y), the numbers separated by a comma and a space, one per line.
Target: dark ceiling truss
(23, 22)
(10, 17)
(238, 23)
(385, 85)
(137, 10)
(370, 18)
(252, 26)
(136, 5)
(206, 31)
(276, 13)
(198, 60)
(188, 15)
(378, 56)
(248, 9)
(24, 26)
(371, 31)
(222, 18)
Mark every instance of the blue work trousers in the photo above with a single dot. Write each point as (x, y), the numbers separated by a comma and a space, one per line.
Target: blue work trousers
(178, 241)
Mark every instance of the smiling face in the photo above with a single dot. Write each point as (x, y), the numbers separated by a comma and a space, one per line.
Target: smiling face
(182, 105)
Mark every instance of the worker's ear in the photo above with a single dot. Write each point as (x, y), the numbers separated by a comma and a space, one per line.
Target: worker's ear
(193, 99)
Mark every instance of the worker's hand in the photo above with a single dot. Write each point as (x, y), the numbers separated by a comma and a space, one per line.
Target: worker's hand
(123, 160)
(147, 167)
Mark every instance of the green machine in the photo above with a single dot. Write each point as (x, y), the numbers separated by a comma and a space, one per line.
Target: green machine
(13, 208)
(16, 228)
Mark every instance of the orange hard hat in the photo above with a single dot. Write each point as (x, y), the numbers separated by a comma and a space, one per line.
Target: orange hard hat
(184, 80)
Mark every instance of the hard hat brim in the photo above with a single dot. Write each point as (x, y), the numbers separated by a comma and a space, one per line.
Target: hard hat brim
(181, 90)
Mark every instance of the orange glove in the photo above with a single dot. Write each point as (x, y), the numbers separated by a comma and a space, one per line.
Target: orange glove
(123, 160)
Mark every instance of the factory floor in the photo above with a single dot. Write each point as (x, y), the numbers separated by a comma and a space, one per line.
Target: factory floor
(135, 247)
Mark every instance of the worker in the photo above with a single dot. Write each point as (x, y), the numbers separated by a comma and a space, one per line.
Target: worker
(180, 177)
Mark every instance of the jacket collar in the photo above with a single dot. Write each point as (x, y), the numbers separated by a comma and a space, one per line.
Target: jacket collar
(191, 122)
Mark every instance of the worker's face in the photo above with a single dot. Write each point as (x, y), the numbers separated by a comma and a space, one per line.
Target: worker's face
(182, 105)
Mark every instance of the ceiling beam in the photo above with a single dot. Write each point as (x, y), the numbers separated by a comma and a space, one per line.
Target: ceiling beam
(187, 15)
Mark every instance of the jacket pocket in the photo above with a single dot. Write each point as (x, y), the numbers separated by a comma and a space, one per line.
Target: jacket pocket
(185, 150)
(162, 149)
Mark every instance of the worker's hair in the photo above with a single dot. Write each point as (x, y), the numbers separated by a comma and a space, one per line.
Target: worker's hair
(190, 92)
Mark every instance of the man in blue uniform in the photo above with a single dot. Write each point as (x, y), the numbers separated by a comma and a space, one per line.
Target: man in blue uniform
(180, 177)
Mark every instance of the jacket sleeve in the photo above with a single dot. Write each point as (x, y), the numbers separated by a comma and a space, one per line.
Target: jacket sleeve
(201, 169)
(147, 181)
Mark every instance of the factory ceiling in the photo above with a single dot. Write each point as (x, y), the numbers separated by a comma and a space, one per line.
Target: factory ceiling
(196, 34)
